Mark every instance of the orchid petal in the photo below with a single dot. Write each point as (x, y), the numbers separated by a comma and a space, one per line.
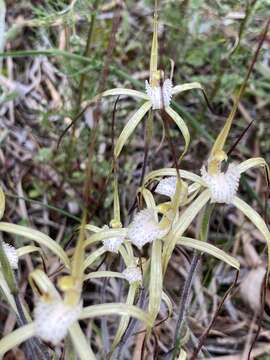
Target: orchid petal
(188, 86)
(181, 125)
(125, 92)
(130, 127)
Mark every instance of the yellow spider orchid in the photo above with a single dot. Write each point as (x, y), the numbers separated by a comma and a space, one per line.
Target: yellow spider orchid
(158, 94)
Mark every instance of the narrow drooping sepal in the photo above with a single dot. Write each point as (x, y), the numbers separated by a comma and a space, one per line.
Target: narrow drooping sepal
(223, 185)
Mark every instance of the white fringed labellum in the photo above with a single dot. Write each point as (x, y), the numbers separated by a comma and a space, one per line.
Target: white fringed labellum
(113, 244)
(11, 255)
(160, 96)
(53, 318)
(223, 186)
(132, 274)
(167, 186)
(145, 228)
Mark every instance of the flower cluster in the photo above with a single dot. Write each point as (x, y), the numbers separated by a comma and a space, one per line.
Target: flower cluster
(161, 225)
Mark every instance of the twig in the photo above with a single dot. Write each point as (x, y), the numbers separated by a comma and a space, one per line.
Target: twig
(260, 318)
(104, 76)
(33, 346)
(206, 332)
(184, 302)
(132, 323)
(82, 77)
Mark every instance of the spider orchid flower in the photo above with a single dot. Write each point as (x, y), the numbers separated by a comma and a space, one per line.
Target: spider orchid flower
(218, 187)
(158, 94)
(215, 187)
(145, 228)
(55, 317)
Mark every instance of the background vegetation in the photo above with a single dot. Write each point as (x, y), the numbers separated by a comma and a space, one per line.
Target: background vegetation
(58, 55)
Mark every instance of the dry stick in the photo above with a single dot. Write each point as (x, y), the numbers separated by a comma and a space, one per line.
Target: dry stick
(83, 75)
(184, 302)
(104, 76)
(155, 354)
(260, 317)
(132, 323)
(203, 236)
(104, 325)
(147, 142)
(166, 118)
(232, 148)
(114, 163)
(33, 346)
(206, 332)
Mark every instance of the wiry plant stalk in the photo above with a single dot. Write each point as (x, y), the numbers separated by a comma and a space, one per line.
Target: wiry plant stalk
(132, 324)
(148, 133)
(206, 332)
(185, 297)
(86, 54)
(104, 76)
(2, 29)
(34, 347)
(184, 303)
